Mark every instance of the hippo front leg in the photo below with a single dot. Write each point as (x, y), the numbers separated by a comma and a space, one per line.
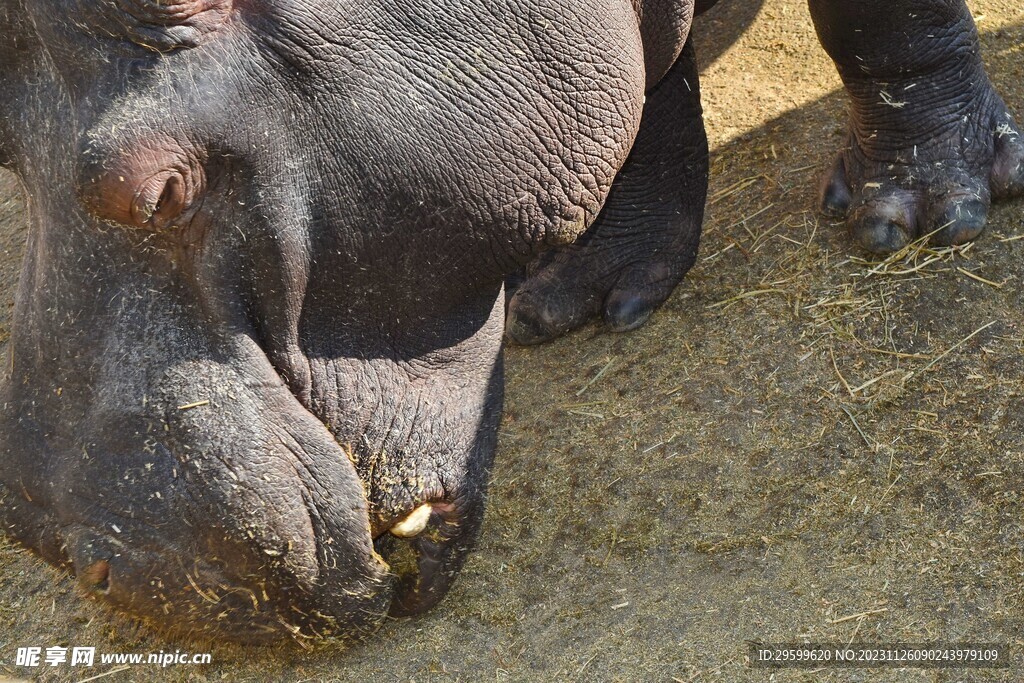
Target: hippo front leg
(646, 237)
(930, 142)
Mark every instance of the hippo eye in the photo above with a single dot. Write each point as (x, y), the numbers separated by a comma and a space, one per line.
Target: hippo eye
(173, 12)
(165, 25)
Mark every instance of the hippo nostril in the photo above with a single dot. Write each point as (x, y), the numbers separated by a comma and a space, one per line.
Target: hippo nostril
(414, 523)
(96, 577)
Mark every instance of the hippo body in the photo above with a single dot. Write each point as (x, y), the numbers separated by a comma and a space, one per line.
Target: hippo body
(261, 314)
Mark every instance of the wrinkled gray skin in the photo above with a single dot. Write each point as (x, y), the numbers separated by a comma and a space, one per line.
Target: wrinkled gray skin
(261, 313)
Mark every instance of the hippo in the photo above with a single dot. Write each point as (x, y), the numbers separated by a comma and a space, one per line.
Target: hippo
(254, 381)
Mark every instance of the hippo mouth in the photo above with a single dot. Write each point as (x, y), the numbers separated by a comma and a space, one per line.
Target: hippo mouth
(422, 524)
(236, 514)
(423, 553)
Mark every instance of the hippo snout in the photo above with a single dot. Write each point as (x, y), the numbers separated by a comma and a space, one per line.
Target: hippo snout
(263, 593)
(208, 527)
(232, 594)
(210, 500)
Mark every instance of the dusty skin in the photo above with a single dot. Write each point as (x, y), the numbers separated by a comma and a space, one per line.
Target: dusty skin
(800, 444)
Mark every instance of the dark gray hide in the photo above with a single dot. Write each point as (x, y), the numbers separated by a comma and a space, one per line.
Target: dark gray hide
(260, 319)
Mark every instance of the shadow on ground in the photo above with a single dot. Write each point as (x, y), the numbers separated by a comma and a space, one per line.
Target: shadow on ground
(800, 445)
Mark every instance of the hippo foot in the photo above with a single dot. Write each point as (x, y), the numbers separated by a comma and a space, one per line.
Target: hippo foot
(622, 277)
(916, 166)
(645, 239)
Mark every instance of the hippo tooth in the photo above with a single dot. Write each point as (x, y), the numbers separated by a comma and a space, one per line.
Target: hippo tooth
(414, 523)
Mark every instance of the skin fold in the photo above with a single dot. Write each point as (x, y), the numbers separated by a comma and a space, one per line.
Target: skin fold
(261, 313)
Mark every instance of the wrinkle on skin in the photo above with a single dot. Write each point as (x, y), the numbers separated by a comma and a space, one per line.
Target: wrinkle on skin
(311, 342)
(923, 154)
(428, 81)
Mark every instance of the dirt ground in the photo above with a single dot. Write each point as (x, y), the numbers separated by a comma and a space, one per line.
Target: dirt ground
(801, 445)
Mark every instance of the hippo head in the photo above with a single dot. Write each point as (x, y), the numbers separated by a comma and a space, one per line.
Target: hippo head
(254, 379)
